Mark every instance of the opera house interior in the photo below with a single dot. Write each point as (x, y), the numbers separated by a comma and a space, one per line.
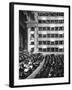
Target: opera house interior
(41, 44)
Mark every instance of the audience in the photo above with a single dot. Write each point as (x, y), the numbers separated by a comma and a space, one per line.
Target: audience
(53, 65)
(28, 63)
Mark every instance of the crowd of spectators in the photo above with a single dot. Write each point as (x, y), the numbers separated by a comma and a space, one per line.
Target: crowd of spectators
(53, 67)
(28, 63)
